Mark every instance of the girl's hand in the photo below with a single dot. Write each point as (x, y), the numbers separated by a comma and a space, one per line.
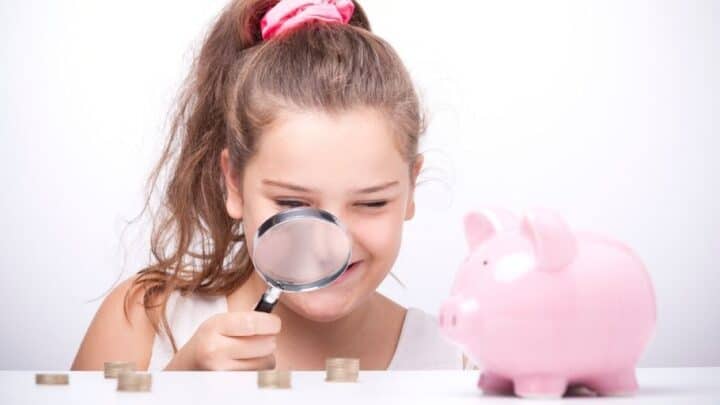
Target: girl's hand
(231, 341)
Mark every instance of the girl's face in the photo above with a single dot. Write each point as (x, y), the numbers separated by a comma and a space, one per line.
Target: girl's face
(348, 164)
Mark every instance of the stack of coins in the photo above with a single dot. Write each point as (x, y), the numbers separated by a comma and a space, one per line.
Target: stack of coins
(130, 381)
(342, 370)
(273, 379)
(114, 368)
(52, 379)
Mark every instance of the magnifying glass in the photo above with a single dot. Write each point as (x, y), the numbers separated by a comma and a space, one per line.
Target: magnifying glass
(298, 250)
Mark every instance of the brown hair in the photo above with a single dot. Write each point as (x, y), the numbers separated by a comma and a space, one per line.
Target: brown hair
(236, 86)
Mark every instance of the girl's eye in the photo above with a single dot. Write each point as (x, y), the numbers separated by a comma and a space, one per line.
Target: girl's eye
(290, 203)
(295, 203)
(375, 204)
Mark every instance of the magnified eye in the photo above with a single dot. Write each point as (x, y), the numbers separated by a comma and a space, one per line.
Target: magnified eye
(485, 262)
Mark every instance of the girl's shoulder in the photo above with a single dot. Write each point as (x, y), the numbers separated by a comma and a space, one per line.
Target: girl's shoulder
(422, 346)
(121, 329)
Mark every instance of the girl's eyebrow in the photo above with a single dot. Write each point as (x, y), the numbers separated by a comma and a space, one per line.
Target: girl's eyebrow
(379, 187)
(301, 189)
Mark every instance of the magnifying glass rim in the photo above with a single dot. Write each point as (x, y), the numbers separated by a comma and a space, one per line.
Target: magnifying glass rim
(294, 214)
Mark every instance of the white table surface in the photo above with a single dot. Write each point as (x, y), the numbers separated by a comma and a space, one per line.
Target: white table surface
(657, 386)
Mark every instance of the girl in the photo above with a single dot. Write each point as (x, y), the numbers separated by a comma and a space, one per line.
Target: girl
(290, 103)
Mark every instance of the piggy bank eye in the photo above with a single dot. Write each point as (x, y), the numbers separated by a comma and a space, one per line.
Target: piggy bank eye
(485, 262)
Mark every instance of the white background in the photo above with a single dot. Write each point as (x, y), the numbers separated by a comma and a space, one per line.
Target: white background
(605, 111)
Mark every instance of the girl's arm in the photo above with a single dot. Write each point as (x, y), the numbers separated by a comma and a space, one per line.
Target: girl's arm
(111, 337)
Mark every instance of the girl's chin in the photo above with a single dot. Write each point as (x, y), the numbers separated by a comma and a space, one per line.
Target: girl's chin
(319, 305)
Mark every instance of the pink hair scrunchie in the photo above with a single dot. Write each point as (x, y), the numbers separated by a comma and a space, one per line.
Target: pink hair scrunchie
(288, 14)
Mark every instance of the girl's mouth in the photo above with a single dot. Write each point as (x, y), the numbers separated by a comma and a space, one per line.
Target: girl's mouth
(351, 269)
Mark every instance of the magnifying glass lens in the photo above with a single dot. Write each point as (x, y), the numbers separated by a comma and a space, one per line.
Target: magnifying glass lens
(301, 249)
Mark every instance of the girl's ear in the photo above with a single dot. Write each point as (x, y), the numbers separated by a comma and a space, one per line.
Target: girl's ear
(410, 211)
(233, 199)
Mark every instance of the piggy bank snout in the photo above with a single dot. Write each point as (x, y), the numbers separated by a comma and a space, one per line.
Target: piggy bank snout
(448, 314)
(454, 318)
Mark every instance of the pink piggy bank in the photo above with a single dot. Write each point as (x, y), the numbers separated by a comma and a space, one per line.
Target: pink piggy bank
(541, 307)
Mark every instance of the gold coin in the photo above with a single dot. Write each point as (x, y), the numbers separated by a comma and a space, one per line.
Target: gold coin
(52, 379)
(114, 368)
(342, 369)
(130, 381)
(273, 379)
(341, 376)
(342, 362)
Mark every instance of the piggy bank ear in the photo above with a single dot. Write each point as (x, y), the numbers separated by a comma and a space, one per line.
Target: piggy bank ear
(555, 245)
(484, 224)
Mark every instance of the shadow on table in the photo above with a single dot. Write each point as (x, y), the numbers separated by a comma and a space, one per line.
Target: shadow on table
(584, 393)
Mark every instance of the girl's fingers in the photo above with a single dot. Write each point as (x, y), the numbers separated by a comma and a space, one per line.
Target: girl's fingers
(257, 363)
(248, 347)
(247, 323)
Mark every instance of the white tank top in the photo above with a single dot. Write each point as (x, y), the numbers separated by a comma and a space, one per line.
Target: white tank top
(420, 346)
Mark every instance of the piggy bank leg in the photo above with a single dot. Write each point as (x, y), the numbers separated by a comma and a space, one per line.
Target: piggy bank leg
(619, 383)
(540, 386)
(493, 384)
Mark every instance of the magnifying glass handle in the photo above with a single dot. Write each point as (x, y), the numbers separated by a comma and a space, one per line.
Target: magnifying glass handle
(268, 300)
